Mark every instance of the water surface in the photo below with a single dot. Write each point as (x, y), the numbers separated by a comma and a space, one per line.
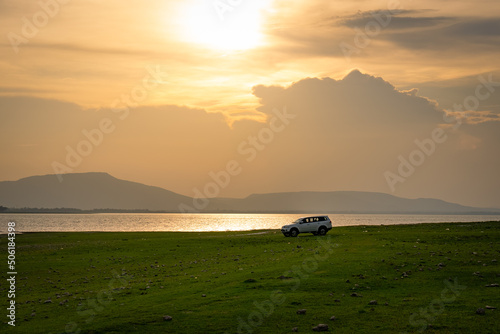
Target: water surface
(115, 222)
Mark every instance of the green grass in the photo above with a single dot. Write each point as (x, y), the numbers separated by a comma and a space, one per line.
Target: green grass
(427, 277)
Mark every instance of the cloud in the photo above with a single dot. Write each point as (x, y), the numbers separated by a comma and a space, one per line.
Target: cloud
(393, 20)
(357, 98)
(468, 35)
(423, 36)
(477, 27)
(348, 132)
(475, 117)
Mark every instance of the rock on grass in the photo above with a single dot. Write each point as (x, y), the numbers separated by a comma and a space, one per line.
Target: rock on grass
(321, 328)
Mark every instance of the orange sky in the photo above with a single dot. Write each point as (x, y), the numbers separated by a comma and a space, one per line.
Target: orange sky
(199, 78)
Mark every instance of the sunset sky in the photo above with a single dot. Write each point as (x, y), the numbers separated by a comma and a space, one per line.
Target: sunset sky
(400, 97)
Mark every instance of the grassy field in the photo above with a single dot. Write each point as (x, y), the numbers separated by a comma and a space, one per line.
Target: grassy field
(428, 278)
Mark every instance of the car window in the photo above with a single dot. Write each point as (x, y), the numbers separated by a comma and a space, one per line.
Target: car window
(311, 220)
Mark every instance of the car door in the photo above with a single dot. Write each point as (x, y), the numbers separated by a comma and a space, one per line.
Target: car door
(317, 223)
(308, 225)
(314, 224)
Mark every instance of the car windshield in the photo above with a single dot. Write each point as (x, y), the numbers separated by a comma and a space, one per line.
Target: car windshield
(298, 221)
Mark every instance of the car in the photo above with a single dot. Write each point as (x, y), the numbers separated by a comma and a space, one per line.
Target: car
(317, 225)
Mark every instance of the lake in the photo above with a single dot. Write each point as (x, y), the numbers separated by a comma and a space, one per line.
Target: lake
(116, 222)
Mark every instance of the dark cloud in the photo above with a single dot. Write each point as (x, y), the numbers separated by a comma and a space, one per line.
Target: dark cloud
(393, 21)
(468, 36)
(413, 30)
(478, 27)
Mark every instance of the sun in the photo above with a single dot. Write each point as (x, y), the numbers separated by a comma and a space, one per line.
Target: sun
(224, 24)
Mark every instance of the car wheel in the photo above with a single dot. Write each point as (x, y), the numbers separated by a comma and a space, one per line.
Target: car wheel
(286, 234)
(322, 230)
(294, 233)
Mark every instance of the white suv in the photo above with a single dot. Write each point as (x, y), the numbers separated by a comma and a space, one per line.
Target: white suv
(315, 225)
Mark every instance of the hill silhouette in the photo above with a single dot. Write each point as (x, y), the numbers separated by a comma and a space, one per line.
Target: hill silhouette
(87, 191)
(98, 191)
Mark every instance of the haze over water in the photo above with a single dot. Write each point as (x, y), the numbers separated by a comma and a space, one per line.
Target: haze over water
(206, 222)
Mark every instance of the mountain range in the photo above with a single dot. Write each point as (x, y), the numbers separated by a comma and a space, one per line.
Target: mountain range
(91, 191)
